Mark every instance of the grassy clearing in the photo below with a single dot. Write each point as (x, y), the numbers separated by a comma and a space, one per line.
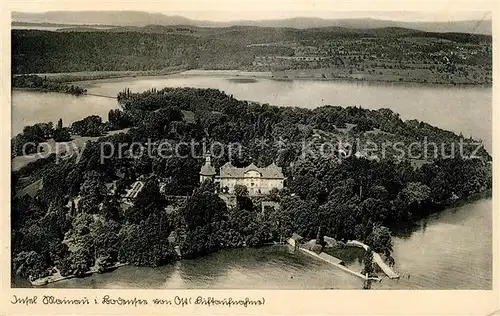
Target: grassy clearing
(63, 148)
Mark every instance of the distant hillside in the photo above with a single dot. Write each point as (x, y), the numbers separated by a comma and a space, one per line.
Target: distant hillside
(245, 35)
(478, 27)
(331, 52)
(138, 18)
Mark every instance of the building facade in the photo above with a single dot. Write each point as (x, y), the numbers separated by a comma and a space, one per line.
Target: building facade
(257, 180)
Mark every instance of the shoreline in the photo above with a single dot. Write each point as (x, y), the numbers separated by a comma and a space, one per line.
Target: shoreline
(387, 82)
(474, 197)
(45, 91)
(96, 76)
(56, 277)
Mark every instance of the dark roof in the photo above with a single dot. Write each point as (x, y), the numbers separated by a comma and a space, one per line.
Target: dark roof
(32, 189)
(270, 172)
(188, 116)
(297, 237)
(207, 170)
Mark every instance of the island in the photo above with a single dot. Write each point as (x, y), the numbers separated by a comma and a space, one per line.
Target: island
(144, 192)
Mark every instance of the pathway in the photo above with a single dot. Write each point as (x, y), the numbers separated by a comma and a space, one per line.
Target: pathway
(337, 262)
(376, 257)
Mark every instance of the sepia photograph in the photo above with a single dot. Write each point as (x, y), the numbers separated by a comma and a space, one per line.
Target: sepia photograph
(264, 150)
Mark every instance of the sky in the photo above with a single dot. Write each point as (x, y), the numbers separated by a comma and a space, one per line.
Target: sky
(230, 10)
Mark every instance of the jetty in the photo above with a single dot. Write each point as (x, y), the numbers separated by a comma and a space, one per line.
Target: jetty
(387, 270)
(377, 258)
(101, 95)
(337, 263)
(294, 242)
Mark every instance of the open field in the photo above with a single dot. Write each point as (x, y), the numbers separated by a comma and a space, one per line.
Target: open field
(75, 146)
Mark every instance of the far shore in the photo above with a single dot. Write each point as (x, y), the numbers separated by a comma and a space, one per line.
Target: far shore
(89, 77)
(44, 90)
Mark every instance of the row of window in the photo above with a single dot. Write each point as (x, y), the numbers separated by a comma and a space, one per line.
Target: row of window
(252, 184)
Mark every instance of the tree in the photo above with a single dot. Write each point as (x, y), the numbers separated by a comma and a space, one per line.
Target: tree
(21, 145)
(39, 132)
(73, 182)
(27, 142)
(240, 190)
(80, 262)
(60, 252)
(147, 244)
(111, 208)
(119, 119)
(243, 200)
(183, 174)
(79, 234)
(30, 264)
(59, 124)
(89, 126)
(368, 261)
(273, 195)
(203, 207)
(380, 241)
(373, 210)
(92, 192)
(203, 216)
(45, 234)
(106, 242)
(416, 193)
(378, 192)
(61, 135)
(149, 200)
(299, 216)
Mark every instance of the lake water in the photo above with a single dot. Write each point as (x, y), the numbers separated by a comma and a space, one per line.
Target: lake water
(449, 250)
(459, 109)
(31, 107)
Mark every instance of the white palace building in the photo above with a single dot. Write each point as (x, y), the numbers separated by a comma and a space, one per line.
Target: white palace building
(257, 180)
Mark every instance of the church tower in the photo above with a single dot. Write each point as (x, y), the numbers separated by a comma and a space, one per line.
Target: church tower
(207, 171)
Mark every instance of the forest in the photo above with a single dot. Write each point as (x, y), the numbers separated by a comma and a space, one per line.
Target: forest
(75, 220)
(49, 52)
